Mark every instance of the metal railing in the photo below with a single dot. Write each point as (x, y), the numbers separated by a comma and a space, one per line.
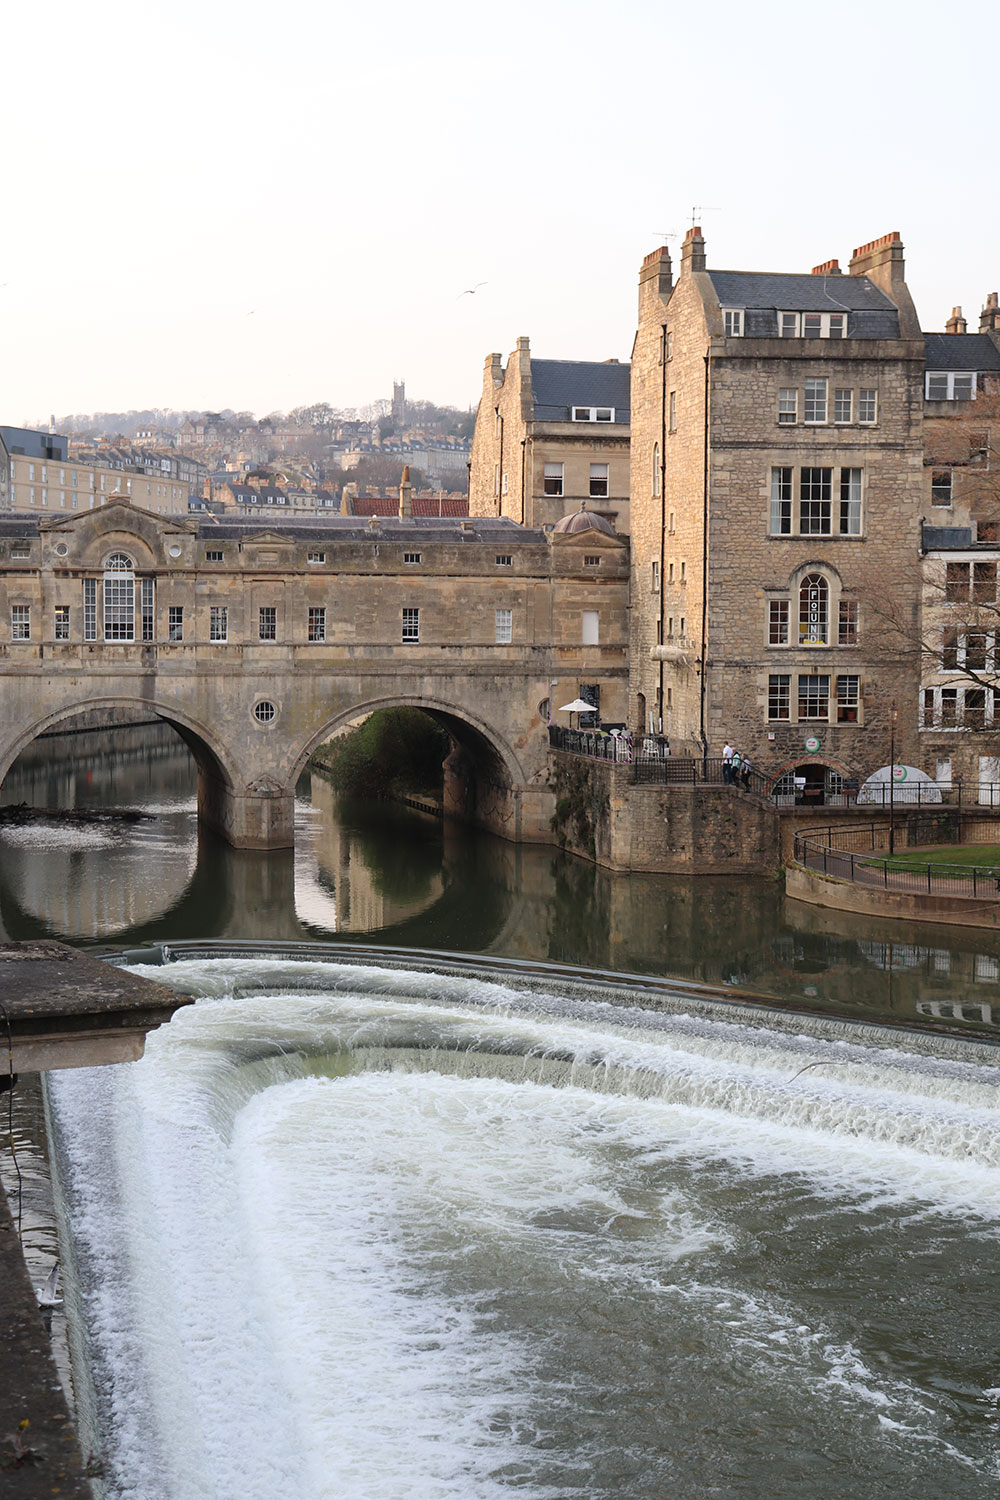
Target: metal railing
(857, 852)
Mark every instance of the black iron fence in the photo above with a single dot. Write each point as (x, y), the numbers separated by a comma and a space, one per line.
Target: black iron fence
(858, 852)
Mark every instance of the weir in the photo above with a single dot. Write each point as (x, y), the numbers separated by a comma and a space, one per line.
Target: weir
(543, 1220)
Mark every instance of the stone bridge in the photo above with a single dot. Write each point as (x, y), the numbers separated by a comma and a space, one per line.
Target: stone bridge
(257, 642)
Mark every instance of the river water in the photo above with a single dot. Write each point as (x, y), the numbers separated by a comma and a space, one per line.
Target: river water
(350, 1230)
(387, 873)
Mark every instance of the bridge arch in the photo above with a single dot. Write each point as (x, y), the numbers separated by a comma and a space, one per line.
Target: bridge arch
(217, 776)
(473, 733)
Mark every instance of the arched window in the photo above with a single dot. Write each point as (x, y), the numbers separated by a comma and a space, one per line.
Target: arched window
(814, 611)
(119, 598)
(656, 469)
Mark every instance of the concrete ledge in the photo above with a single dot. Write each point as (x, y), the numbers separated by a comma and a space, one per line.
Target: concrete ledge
(802, 884)
(41, 1458)
(67, 1010)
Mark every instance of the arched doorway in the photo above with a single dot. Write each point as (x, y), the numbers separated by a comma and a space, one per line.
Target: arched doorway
(814, 781)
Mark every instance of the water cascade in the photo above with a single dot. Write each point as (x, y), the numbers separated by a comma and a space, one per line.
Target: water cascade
(361, 1232)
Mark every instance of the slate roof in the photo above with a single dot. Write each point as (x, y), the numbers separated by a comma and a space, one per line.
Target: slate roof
(23, 441)
(493, 530)
(961, 351)
(558, 384)
(797, 293)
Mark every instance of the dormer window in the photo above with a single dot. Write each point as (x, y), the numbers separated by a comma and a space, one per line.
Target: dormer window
(812, 325)
(950, 385)
(733, 319)
(593, 413)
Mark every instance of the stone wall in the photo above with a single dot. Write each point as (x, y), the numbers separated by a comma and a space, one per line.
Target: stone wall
(682, 830)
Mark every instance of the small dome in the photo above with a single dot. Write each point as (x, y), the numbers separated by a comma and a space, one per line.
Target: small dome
(585, 520)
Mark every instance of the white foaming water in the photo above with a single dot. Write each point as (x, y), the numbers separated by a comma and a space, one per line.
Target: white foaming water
(422, 1271)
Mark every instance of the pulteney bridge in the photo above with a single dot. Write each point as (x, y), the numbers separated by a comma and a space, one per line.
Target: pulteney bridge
(256, 642)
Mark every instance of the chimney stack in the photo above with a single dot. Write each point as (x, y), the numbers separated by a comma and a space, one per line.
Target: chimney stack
(989, 318)
(956, 323)
(884, 254)
(828, 268)
(693, 251)
(405, 495)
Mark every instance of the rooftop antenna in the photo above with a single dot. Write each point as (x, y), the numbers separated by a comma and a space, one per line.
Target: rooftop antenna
(702, 208)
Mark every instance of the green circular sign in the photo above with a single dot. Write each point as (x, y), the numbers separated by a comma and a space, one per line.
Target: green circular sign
(812, 743)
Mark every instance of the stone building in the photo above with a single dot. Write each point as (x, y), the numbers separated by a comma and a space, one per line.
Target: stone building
(959, 636)
(777, 487)
(551, 436)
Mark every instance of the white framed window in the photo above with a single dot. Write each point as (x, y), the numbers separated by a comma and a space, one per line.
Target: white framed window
(213, 555)
(599, 481)
(941, 486)
(175, 622)
(552, 481)
(317, 622)
(848, 698)
(814, 696)
(411, 625)
(591, 560)
(815, 501)
(656, 476)
(814, 611)
(950, 385)
(672, 422)
(847, 623)
(733, 320)
(850, 502)
(788, 406)
(960, 707)
(90, 609)
(843, 405)
(504, 627)
(119, 598)
(867, 404)
(503, 483)
(593, 413)
(814, 410)
(20, 622)
(654, 578)
(218, 622)
(317, 557)
(147, 608)
(62, 622)
(778, 622)
(781, 501)
(267, 622)
(412, 558)
(779, 696)
(812, 325)
(505, 559)
(589, 633)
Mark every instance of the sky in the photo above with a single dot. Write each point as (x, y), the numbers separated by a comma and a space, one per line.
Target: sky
(256, 207)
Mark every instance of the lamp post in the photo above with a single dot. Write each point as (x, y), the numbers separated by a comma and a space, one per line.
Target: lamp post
(892, 780)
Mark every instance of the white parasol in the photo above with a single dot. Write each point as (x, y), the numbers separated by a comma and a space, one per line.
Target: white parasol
(578, 706)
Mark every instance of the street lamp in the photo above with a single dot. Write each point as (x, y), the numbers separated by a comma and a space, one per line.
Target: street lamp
(892, 780)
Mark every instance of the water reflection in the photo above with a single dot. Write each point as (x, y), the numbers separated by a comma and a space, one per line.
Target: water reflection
(360, 870)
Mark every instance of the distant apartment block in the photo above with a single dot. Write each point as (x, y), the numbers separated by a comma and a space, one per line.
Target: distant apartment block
(38, 474)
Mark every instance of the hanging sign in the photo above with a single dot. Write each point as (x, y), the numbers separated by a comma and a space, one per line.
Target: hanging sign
(812, 743)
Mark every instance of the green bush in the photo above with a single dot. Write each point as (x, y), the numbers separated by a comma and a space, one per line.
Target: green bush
(395, 750)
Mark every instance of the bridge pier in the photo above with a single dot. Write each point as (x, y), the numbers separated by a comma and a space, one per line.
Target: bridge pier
(259, 815)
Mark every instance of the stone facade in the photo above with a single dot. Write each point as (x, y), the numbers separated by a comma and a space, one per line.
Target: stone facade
(783, 451)
(37, 474)
(257, 642)
(550, 436)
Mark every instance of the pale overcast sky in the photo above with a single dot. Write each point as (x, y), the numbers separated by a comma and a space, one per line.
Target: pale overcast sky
(255, 206)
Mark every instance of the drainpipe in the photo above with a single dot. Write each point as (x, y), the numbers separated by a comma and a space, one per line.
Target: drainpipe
(704, 567)
(499, 494)
(663, 507)
(524, 445)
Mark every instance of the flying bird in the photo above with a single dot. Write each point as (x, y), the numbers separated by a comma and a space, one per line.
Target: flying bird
(470, 291)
